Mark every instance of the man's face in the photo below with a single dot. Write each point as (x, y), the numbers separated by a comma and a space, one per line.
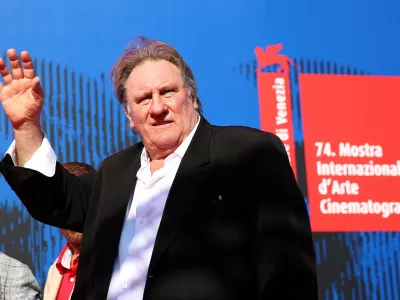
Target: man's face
(74, 238)
(160, 107)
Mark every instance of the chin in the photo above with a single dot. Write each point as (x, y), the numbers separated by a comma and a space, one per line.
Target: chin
(166, 143)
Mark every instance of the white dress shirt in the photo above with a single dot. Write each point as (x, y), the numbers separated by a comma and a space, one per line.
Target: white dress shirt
(141, 224)
(67, 258)
(44, 160)
(142, 220)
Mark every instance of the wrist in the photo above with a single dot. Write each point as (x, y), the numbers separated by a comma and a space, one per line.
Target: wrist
(31, 132)
(27, 128)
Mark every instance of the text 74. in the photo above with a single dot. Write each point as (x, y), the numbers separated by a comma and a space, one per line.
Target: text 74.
(324, 149)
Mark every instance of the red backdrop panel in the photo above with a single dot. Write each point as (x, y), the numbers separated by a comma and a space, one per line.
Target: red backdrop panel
(352, 151)
(276, 110)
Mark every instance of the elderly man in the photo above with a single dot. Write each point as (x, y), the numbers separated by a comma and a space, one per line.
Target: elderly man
(62, 273)
(16, 280)
(193, 211)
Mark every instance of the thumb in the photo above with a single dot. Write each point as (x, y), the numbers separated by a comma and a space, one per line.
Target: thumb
(37, 90)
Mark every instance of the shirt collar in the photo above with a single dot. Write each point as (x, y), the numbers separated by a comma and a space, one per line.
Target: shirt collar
(64, 259)
(180, 151)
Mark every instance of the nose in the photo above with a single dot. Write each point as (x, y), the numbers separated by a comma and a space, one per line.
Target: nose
(157, 107)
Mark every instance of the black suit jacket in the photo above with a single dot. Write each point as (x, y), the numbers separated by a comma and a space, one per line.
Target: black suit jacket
(235, 224)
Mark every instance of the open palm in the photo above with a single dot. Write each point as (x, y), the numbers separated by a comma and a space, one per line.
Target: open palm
(22, 95)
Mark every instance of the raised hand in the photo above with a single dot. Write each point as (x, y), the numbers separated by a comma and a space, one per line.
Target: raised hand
(21, 95)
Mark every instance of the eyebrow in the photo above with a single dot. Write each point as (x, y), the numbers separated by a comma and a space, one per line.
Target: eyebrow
(161, 88)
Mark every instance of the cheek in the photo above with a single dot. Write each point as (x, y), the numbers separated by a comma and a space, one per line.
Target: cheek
(178, 107)
(139, 114)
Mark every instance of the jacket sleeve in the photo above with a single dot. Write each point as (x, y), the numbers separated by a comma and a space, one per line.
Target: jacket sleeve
(285, 257)
(29, 287)
(19, 282)
(60, 200)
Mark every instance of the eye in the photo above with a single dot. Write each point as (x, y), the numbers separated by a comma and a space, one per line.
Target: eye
(168, 92)
(144, 99)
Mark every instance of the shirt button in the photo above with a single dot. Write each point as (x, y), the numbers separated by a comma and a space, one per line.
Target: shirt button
(133, 252)
(125, 286)
(141, 221)
(72, 279)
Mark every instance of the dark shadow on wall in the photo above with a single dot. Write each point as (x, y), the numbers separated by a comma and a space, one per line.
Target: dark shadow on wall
(22, 238)
(336, 277)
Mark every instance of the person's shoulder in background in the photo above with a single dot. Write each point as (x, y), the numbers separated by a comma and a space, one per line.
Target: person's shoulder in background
(17, 280)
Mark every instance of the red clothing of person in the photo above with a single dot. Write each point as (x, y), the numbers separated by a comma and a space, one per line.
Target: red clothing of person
(68, 272)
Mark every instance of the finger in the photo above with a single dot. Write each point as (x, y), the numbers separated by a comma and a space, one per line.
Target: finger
(37, 90)
(4, 72)
(15, 65)
(29, 71)
(1, 87)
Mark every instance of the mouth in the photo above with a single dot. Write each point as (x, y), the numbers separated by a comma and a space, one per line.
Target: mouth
(162, 123)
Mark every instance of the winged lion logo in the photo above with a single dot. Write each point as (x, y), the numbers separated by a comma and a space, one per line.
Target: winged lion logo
(271, 56)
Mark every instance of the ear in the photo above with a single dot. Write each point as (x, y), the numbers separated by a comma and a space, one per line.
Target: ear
(128, 112)
(196, 104)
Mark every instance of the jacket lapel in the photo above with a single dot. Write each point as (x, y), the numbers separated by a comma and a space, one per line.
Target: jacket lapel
(118, 184)
(184, 190)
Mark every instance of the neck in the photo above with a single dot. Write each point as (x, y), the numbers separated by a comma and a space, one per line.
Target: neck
(75, 249)
(159, 154)
(156, 165)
